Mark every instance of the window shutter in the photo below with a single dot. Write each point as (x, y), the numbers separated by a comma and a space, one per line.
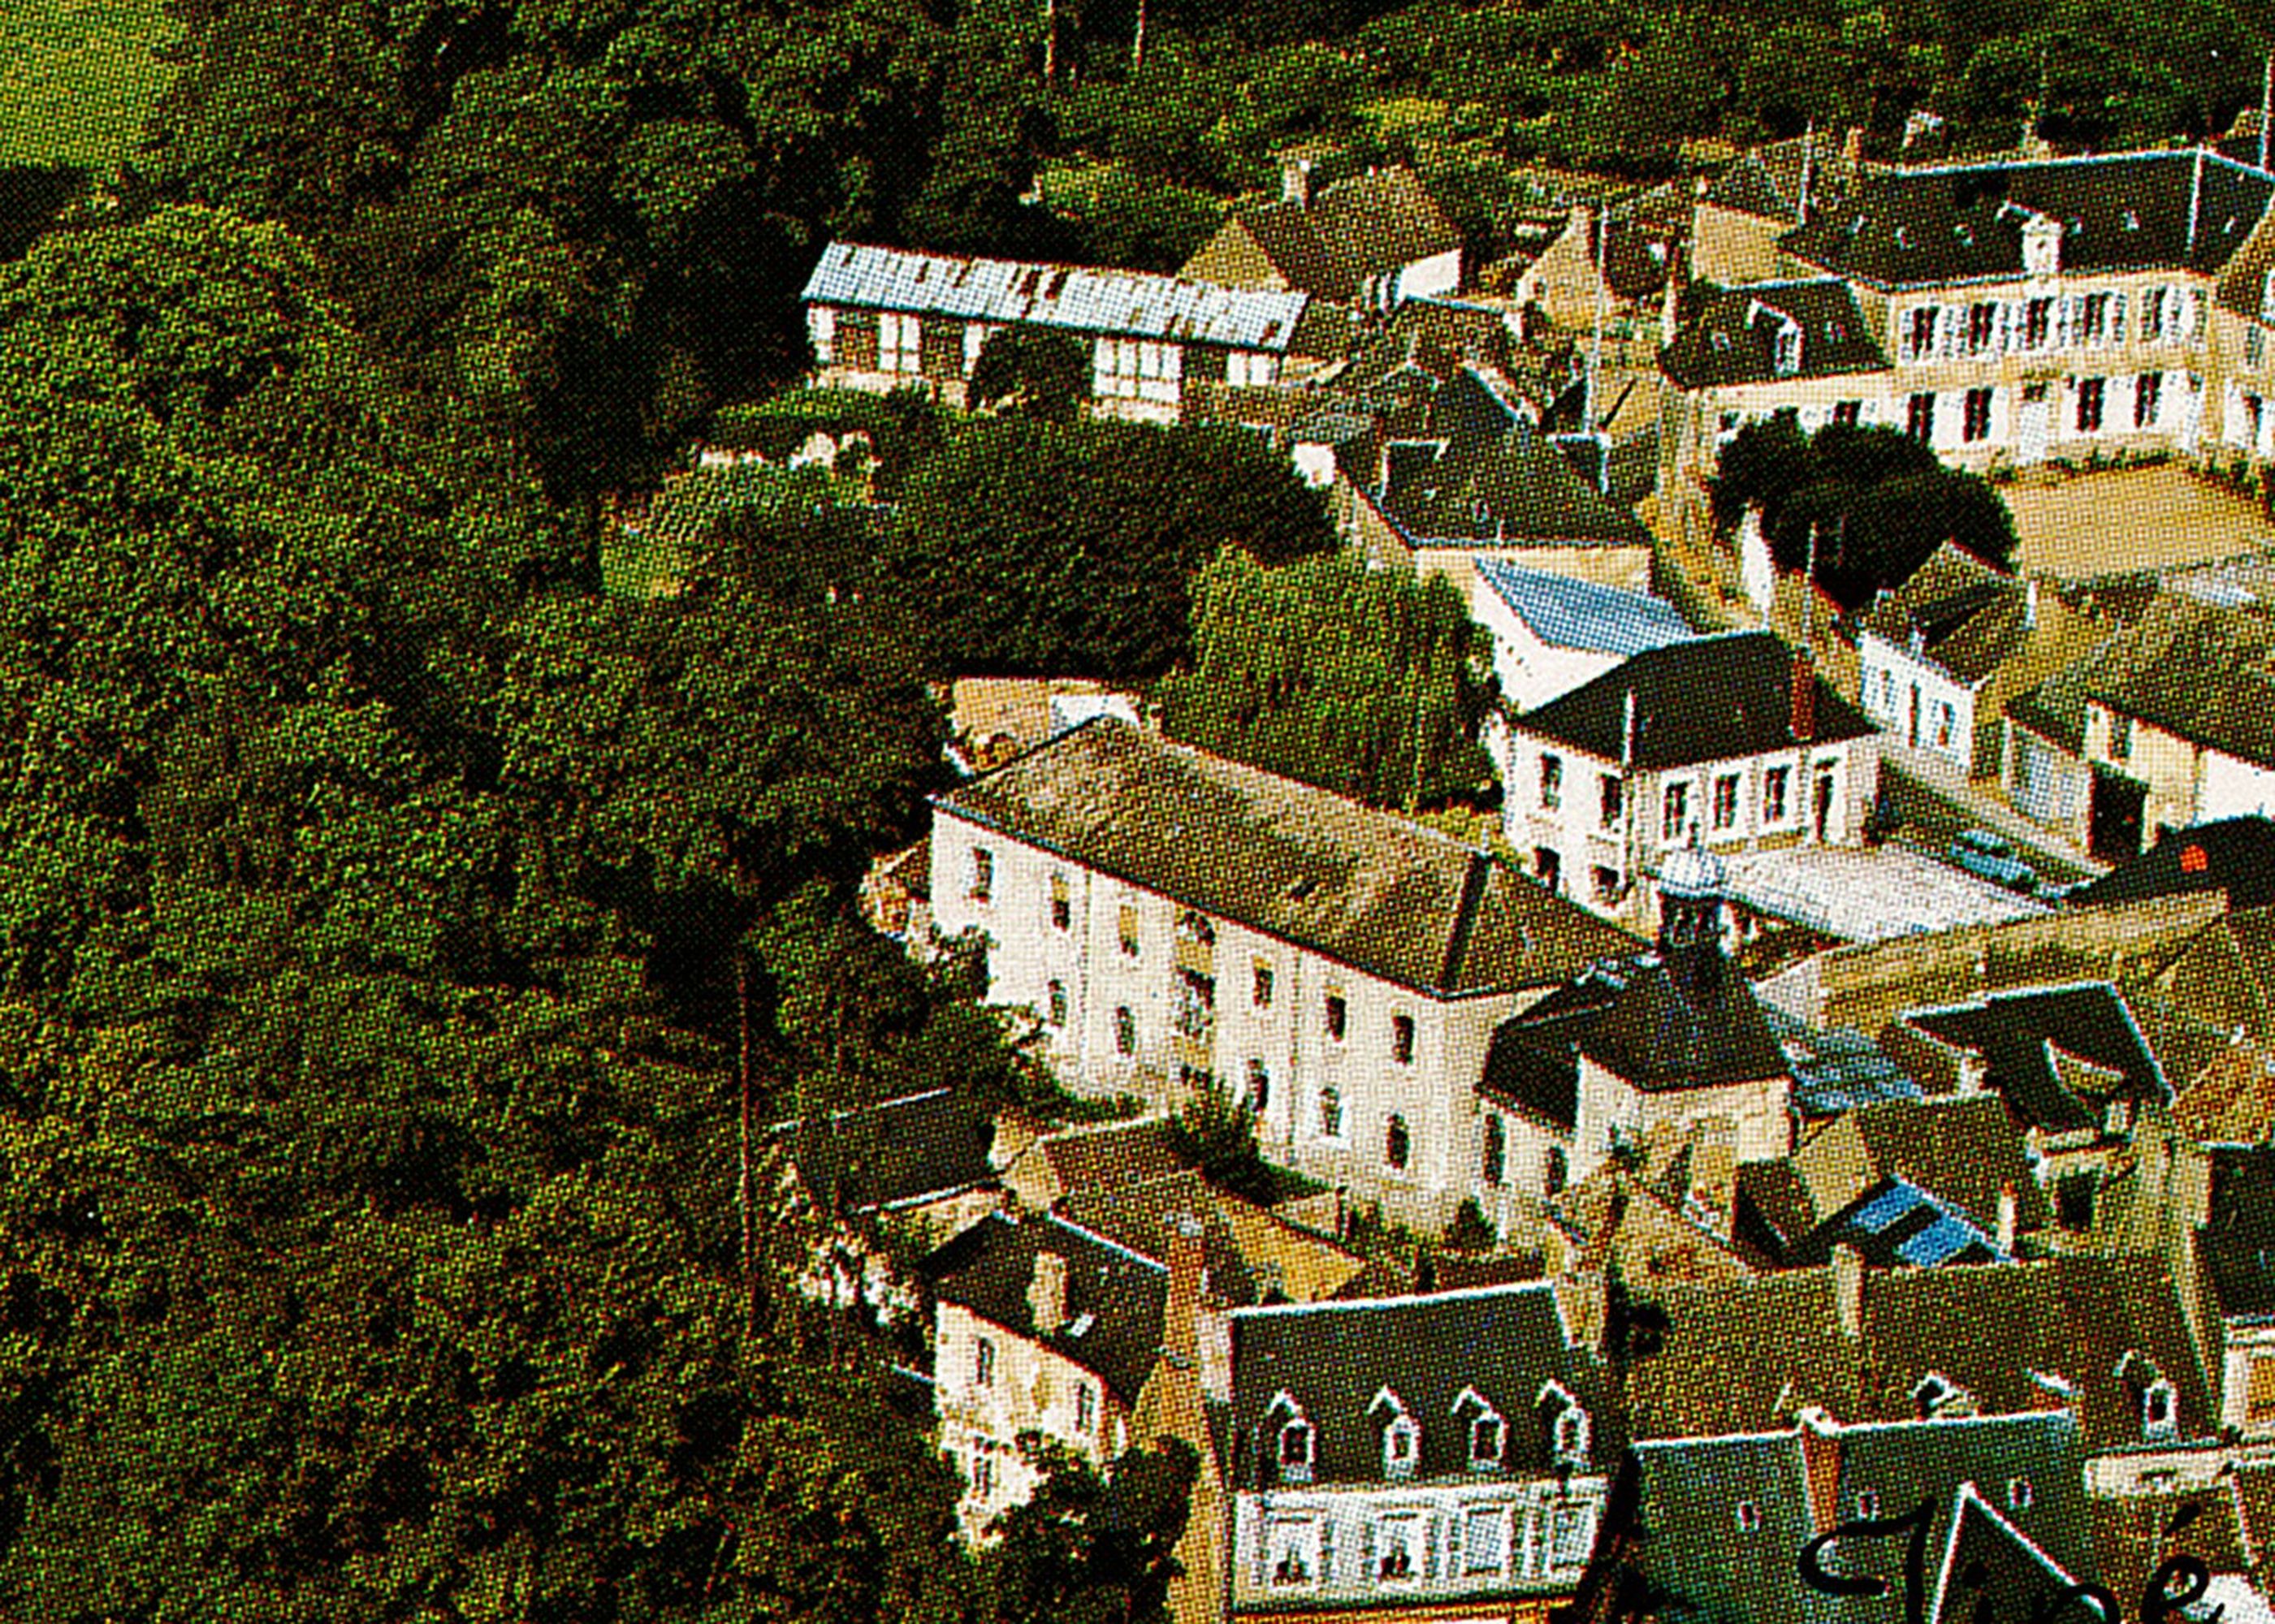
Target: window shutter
(1327, 1549)
(2117, 318)
(2065, 320)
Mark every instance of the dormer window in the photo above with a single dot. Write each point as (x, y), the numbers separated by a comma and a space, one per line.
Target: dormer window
(1787, 354)
(2160, 1417)
(1868, 1505)
(2018, 1494)
(1488, 1432)
(1749, 1517)
(1402, 1437)
(1295, 1452)
(1935, 1394)
(1568, 1426)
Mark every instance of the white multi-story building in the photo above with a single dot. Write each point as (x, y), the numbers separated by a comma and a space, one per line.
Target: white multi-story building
(1171, 916)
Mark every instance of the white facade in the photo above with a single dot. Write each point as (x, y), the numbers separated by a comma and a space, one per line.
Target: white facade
(2233, 788)
(991, 1385)
(1594, 832)
(1359, 1081)
(1912, 698)
(1416, 1543)
(1532, 671)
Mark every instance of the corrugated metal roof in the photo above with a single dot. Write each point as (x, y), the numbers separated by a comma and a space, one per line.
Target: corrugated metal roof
(1571, 614)
(1132, 303)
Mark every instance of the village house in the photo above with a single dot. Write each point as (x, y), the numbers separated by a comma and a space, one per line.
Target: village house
(1764, 193)
(1171, 917)
(1372, 241)
(1412, 1458)
(2165, 724)
(1939, 656)
(1038, 1326)
(1553, 633)
(2054, 308)
(1608, 261)
(879, 319)
(1601, 782)
(1668, 1044)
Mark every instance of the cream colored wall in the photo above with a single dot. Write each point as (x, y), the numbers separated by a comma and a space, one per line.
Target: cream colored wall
(1034, 1390)
(1758, 1110)
(1730, 246)
(1231, 258)
(2165, 762)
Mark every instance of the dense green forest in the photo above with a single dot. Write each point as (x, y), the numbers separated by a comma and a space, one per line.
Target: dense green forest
(396, 927)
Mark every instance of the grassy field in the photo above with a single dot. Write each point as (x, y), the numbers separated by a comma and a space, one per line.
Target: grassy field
(78, 78)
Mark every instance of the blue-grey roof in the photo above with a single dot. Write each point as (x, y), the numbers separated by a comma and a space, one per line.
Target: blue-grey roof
(1837, 1070)
(1570, 614)
(1138, 303)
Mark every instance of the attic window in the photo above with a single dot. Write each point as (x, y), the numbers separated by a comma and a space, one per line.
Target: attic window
(1719, 339)
(1868, 1504)
(2132, 221)
(2018, 1494)
(1295, 1452)
(1486, 1436)
(1749, 1517)
(1402, 1446)
(2157, 1421)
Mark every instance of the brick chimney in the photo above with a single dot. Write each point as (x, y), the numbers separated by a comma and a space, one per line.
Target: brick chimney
(1852, 151)
(1296, 180)
(1820, 1463)
(1848, 1289)
(1584, 1303)
(1804, 696)
(1046, 1293)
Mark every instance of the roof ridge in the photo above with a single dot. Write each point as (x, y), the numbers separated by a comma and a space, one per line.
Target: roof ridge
(1465, 917)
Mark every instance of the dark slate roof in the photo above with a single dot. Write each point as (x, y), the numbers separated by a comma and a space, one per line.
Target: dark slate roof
(1506, 1342)
(1991, 1568)
(1114, 1298)
(1740, 1356)
(1767, 181)
(2024, 1336)
(1690, 1545)
(2202, 670)
(1748, 673)
(1728, 336)
(912, 1149)
(2026, 1038)
(2130, 211)
(1360, 887)
(2238, 1245)
(2234, 854)
(1514, 488)
(1671, 1029)
(1694, 1551)
(1566, 613)
(1969, 616)
(1284, 233)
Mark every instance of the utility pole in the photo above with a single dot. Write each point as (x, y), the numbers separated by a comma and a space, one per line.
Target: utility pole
(1137, 42)
(1596, 342)
(743, 1182)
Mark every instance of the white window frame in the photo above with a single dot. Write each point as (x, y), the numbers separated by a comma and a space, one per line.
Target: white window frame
(900, 343)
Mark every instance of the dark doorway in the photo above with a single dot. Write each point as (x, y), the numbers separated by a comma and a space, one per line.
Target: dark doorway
(2113, 816)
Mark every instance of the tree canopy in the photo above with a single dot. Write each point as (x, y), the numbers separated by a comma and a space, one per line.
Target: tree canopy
(1878, 500)
(1366, 683)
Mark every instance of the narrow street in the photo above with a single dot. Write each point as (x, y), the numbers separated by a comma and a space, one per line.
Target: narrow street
(1936, 802)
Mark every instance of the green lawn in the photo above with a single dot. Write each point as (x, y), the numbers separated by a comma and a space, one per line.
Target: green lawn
(78, 78)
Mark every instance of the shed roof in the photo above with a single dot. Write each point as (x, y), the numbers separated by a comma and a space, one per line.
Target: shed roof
(1079, 298)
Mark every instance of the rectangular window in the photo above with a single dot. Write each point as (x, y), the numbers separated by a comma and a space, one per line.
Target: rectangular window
(1575, 1537)
(1981, 327)
(1484, 1540)
(1196, 1003)
(2121, 737)
(983, 1362)
(2037, 323)
(1976, 426)
(1125, 1031)
(2152, 314)
(2148, 394)
(2255, 347)
(1260, 993)
(1945, 720)
(1606, 882)
(1919, 333)
(1919, 416)
(1608, 799)
(1402, 1039)
(1551, 782)
(1774, 783)
(1726, 801)
(983, 1474)
(1674, 812)
(1848, 413)
(899, 337)
(1061, 905)
(1058, 1003)
(1128, 932)
(1085, 1407)
(2093, 319)
(983, 873)
(1338, 1017)
(2089, 394)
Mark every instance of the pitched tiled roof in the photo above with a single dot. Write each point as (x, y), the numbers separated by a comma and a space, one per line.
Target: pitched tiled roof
(2134, 1533)
(1513, 489)
(1748, 673)
(1730, 336)
(1078, 298)
(1368, 225)
(2238, 1245)
(2016, 1335)
(1503, 1343)
(2129, 211)
(1251, 1257)
(1566, 613)
(1360, 887)
(1740, 1356)
(2231, 1101)
(1969, 615)
(1114, 1298)
(2203, 671)
(907, 1150)
(1101, 1156)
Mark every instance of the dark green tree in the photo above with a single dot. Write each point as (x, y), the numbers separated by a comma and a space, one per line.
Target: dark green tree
(1093, 1547)
(1367, 683)
(1027, 372)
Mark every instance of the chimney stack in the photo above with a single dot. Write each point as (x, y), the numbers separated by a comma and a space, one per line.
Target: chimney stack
(2005, 1238)
(1584, 1303)
(1974, 1072)
(1852, 151)
(1848, 1289)
(1712, 1193)
(1295, 180)
(1804, 693)
(1046, 1293)
(2031, 603)
(1627, 731)
(1820, 1464)
(1181, 1315)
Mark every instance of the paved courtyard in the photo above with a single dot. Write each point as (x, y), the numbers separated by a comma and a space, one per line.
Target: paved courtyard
(2130, 518)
